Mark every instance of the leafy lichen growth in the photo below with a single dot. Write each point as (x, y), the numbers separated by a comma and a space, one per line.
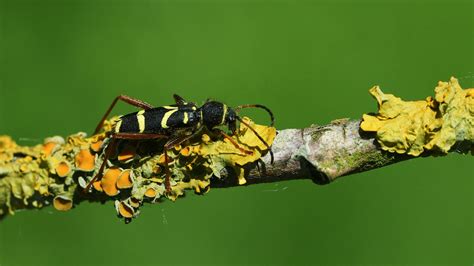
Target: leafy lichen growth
(57, 171)
(434, 124)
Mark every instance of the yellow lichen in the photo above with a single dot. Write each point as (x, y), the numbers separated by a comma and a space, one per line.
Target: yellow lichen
(95, 146)
(135, 203)
(136, 173)
(6, 144)
(232, 155)
(198, 186)
(205, 138)
(125, 180)
(79, 140)
(416, 126)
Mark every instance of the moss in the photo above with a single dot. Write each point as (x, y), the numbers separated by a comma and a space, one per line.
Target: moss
(318, 132)
(346, 162)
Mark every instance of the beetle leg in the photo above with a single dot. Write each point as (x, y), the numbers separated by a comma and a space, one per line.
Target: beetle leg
(236, 145)
(111, 146)
(169, 145)
(167, 172)
(108, 153)
(259, 137)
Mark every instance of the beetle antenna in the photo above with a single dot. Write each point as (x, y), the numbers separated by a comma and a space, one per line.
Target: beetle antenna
(259, 137)
(237, 109)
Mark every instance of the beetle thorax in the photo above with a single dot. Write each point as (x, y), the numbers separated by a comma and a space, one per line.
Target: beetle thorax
(213, 114)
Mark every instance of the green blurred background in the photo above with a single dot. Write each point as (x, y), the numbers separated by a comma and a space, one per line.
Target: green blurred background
(62, 63)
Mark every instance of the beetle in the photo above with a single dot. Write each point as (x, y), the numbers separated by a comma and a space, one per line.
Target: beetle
(176, 123)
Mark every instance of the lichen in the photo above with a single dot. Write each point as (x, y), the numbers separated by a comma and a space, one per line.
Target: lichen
(58, 171)
(414, 127)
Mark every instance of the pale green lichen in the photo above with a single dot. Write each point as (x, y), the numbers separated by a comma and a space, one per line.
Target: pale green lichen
(58, 171)
(22, 177)
(434, 124)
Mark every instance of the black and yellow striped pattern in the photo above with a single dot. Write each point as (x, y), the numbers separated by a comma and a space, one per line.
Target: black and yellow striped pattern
(159, 120)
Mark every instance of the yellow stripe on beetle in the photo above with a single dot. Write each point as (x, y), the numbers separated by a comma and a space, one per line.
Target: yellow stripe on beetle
(141, 121)
(118, 124)
(166, 117)
(186, 118)
(224, 114)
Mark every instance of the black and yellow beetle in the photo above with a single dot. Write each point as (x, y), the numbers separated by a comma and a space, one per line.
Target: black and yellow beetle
(177, 123)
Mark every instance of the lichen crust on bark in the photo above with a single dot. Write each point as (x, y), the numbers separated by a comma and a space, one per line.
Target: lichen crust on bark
(414, 127)
(58, 171)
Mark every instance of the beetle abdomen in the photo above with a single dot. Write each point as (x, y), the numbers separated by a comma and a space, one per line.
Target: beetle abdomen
(157, 120)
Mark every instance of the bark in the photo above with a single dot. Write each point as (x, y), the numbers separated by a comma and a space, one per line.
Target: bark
(320, 153)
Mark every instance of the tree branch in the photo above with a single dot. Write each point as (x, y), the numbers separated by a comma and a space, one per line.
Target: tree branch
(322, 153)
(58, 171)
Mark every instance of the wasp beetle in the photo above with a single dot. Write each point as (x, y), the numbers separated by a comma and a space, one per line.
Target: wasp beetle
(176, 123)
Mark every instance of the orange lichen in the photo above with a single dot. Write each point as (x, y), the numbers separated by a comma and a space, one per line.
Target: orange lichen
(127, 153)
(62, 203)
(109, 180)
(125, 180)
(48, 148)
(85, 161)
(124, 209)
(95, 146)
(97, 186)
(63, 169)
(191, 165)
(150, 192)
(161, 159)
(186, 151)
